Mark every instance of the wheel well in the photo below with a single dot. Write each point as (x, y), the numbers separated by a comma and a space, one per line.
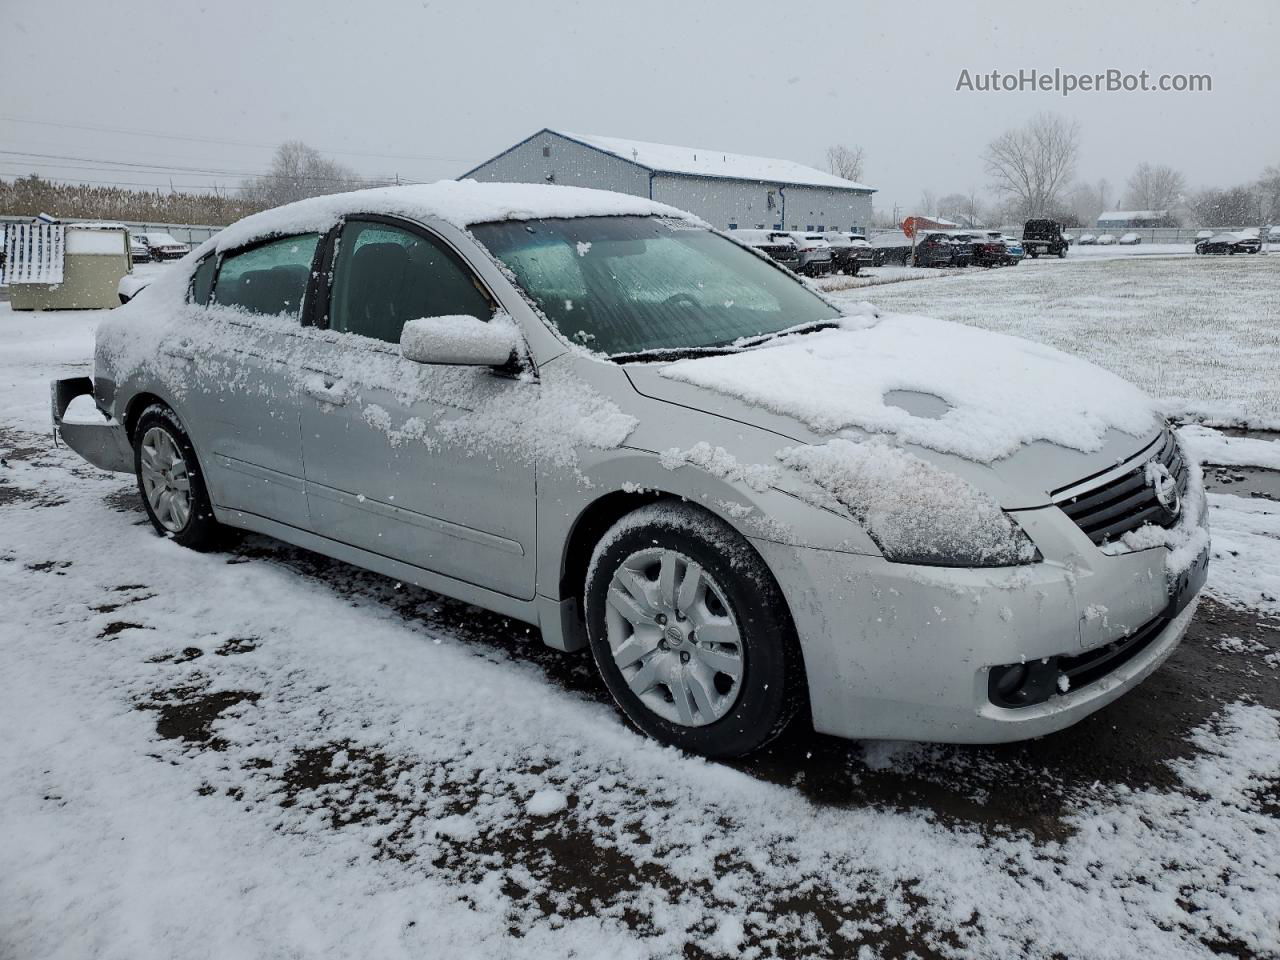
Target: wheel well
(590, 527)
(134, 411)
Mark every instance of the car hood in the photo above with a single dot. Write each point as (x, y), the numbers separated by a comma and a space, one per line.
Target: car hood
(1018, 419)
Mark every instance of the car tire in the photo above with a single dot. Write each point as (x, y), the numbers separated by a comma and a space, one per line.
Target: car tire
(690, 632)
(171, 482)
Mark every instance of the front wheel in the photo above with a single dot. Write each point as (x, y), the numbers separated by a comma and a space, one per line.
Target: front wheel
(690, 632)
(171, 482)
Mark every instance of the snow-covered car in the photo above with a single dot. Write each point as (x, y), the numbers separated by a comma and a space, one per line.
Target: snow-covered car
(591, 412)
(1087, 240)
(1273, 234)
(890, 248)
(1229, 243)
(164, 247)
(775, 244)
(816, 255)
(1129, 240)
(139, 252)
(1014, 248)
(1203, 235)
(844, 255)
(934, 250)
(862, 249)
(1106, 240)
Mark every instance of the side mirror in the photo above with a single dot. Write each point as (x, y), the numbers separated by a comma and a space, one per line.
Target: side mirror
(460, 340)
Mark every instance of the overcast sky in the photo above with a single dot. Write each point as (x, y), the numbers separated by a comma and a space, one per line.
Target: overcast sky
(429, 89)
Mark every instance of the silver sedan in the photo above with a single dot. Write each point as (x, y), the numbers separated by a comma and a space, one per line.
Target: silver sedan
(595, 414)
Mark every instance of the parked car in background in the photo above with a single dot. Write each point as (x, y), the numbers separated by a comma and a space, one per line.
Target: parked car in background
(844, 255)
(388, 377)
(816, 255)
(1273, 234)
(139, 252)
(890, 248)
(1106, 240)
(1043, 236)
(1229, 243)
(1130, 240)
(990, 249)
(1087, 240)
(164, 247)
(778, 245)
(1014, 248)
(962, 252)
(1069, 238)
(934, 250)
(862, 247)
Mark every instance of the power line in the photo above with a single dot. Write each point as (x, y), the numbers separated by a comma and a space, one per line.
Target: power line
(232, 143)
(204, 171)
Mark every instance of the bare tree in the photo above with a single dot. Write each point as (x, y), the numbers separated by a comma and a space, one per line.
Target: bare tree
(964, 208)
(1234, 207)
(928, 204)
(1155, 188)
(298, 171)
(845, 161)
(1269, 193)
(1031, 166)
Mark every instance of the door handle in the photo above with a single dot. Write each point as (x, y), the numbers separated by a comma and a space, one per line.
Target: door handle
(327, 389)
(182, 350)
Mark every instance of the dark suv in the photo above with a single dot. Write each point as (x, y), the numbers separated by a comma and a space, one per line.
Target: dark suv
(1043, 236)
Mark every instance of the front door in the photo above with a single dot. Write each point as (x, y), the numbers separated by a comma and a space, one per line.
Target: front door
(387, 467)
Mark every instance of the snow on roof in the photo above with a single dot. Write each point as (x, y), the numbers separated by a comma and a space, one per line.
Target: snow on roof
(665, 158)
(1133, 215)
(460, 202)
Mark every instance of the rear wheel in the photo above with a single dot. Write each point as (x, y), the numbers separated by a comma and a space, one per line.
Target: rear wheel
(690, 632)
(171, 482)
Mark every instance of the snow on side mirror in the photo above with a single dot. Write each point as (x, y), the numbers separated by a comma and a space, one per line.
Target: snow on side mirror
(459, 340)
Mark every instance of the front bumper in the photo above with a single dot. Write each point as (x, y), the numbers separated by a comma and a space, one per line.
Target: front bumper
(104, 444)
(896, 651)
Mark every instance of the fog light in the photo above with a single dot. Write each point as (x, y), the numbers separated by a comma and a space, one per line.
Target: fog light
(1010, 681)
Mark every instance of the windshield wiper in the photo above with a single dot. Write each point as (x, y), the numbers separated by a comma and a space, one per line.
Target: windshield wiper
(664, 354)
(812, 327)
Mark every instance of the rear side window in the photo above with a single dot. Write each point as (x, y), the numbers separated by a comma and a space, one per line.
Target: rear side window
(385, 276)
(270, 279)
(202, 281)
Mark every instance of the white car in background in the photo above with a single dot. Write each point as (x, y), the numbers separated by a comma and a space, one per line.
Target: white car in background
(1086, 240)
(595, 414)
(1106, 240)
(1129, 240)
(164, 247)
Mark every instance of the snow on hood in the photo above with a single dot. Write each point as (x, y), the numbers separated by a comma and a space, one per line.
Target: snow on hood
(997, 392)
(460, 202)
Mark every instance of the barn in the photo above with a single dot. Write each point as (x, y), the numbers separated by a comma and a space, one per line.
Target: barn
(728, 190)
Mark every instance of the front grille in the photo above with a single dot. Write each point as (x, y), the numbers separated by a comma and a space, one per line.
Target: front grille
(1117, 504)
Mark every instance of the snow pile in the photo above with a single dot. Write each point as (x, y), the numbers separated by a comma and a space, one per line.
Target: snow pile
(914, 509)
(1003, 391)
(545, 803)
(1211, 446)
(1245, 571)
(719, 462)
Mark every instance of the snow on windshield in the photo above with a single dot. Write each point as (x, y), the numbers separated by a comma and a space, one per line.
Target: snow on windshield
(1003, 391)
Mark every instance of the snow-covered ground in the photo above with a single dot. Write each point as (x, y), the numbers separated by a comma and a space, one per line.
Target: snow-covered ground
(265, 753)
(1202, 334)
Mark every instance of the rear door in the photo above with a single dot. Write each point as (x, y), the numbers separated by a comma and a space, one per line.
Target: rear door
(380, 473)
(244, 408)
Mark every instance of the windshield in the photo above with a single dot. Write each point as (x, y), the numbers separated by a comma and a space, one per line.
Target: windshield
(623, 285)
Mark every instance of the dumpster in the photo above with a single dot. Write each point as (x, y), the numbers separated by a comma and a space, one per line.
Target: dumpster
(51, 266)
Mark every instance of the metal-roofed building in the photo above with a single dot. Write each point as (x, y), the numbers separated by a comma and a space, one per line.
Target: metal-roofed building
(728, 190)
(1125, 219)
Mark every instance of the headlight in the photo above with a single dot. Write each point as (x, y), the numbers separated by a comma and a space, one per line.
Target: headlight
(914, 510)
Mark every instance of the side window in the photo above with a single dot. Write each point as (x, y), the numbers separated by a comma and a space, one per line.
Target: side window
(385, 276)
(270, 279)
(202, 280)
